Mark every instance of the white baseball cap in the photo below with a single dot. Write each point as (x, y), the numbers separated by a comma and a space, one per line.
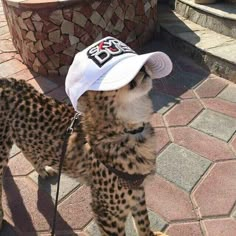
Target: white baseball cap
(110, 64)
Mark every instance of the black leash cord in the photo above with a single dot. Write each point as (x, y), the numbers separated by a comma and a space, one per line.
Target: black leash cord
(58, 182)
(63, 153)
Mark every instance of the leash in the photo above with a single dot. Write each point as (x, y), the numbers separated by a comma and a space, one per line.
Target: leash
(69, 131)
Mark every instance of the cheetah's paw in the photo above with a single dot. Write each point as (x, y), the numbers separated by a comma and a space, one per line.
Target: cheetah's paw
(47, 172)
(51, 171)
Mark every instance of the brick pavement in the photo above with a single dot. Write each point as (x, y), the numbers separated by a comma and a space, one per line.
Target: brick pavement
(194, 190)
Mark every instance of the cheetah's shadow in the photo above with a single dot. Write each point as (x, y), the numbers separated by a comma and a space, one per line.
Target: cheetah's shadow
(30, 209)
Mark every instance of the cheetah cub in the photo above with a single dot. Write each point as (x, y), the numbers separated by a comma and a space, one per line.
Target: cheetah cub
(112, 147)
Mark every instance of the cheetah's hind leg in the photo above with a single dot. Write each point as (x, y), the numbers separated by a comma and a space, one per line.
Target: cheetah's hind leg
(5, 147)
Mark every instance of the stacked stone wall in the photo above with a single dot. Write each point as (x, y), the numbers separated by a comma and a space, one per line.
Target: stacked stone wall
(47, 38)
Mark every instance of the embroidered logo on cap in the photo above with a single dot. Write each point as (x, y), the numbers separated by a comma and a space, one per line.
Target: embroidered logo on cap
(105, 50)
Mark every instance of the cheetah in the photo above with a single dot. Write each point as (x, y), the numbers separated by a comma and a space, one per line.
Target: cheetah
(111, 149)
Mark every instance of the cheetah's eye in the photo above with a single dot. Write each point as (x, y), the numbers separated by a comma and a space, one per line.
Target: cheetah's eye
(132, 84)
(144, 70)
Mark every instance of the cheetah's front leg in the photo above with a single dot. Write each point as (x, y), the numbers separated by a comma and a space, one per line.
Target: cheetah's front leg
(140, 214)
(5, 147)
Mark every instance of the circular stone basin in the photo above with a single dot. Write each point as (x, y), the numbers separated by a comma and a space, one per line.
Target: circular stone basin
(48, 33)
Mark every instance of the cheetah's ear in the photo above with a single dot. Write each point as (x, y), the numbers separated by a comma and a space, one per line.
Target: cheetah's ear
(149, 71)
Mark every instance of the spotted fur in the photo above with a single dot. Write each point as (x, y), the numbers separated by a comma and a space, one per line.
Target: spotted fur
(37, 124)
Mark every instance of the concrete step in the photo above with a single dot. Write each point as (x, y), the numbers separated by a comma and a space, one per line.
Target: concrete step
(212, 50)
(219, 17)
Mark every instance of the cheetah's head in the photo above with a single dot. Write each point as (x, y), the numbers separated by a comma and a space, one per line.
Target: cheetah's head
(130, 104)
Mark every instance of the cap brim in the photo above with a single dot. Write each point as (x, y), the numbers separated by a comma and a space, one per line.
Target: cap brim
(124, 71)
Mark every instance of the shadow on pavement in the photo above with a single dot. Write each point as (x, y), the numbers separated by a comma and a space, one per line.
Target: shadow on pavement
(23, 215)
(186, 73)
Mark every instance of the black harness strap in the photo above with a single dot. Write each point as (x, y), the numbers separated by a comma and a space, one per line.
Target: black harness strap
(63, 153)
(128, 181)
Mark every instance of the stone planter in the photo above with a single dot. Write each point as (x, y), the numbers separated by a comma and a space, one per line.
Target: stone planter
(48, 34)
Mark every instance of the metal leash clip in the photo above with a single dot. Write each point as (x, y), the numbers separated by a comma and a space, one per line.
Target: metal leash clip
(73, 121)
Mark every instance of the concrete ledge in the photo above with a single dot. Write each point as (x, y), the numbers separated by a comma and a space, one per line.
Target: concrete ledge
(220, 17)
(210, 49)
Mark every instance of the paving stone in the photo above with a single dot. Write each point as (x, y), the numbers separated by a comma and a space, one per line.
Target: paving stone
(157, 120)
(220, 227)
(92, 229)
(162, 102)
(185, 229)
(42, 84)
(183, 112)
(229, 94)
(2, 18)
(156, 224)
(220, 105)
(49, 185)
(202, 144)
(176, 163)
(14, 150)
(174, 89)
(4, 30)
(6, 36)
(234, 214)
(11, 67)
(29, 208)
(76, 209)
(215, 124)
(6, 45)
(6, 56)
(162, 138)
(3, 24)
(58, 93)
(190, 79)
(216, 193)
(18, 166)
(167, 200)
(211, 88)
(233, 143)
